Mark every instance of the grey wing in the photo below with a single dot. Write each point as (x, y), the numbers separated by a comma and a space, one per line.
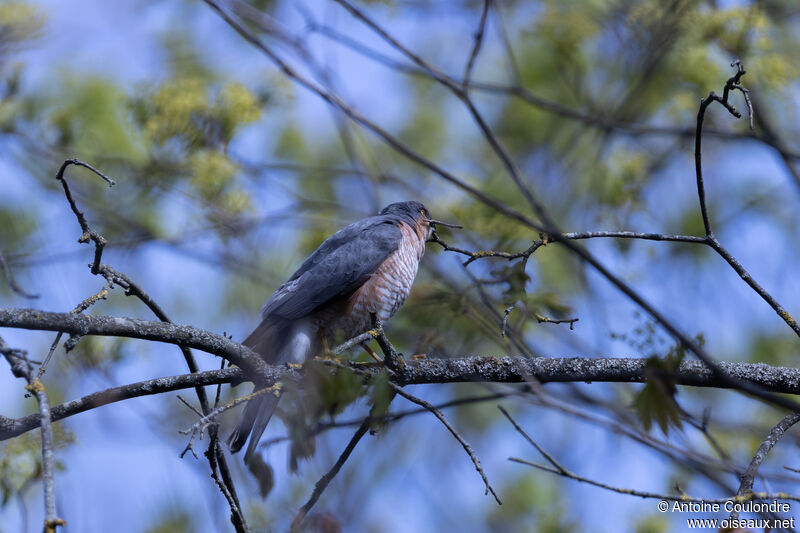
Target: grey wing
(338, 267)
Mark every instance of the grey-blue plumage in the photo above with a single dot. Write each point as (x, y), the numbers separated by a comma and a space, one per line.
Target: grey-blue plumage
(339, 266)
(367, 267)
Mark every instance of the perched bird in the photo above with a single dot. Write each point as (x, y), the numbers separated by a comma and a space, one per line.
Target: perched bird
(363, 269)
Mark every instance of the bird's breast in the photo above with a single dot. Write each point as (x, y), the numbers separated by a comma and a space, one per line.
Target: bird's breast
(386, 290)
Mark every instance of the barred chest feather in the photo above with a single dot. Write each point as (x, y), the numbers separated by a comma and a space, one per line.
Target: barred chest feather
(386, 291)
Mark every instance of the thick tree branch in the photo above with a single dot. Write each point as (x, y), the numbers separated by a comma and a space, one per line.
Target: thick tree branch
(429, 371)
(13, 427)
(109, 326)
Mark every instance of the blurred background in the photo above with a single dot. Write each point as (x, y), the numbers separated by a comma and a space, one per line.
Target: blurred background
(229, 173)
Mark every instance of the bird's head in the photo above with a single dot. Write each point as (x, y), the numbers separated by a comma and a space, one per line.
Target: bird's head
(415, 215)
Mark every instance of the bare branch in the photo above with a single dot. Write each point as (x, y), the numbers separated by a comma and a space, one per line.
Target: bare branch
(504, 323)
(10, 428)
(80, 308)
(772, 439)
(218, 461)
(12, 282)
(21, 367)
(558, 469)
(654, 495)
(505, 369)
(325, 480)
(464, 444)
(547, 320)
(187, 336)
(734, 82)
(427, 371)
(88, 233)
(476, 48)
(701, 113)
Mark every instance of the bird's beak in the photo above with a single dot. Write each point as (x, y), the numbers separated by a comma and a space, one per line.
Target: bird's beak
(445, 224)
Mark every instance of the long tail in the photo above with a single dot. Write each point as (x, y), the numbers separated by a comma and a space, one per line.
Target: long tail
(253, 422)
(269, 340)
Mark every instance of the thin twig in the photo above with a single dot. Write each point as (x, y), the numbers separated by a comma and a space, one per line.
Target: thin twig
(325, 480)
(464, 444)
(391, 358)
(131, 288)
(547, 320)
(194, 409)
(213, 453)
(389, 418)
(733, 83)
(88, 233)
(557, 468)
(746, 486)
(504, 323)
(533, 443)
(390, 352)
(701, 113)
(12, 283)
(747, 278)
(476, 48)
(21, 367)
(355, 341)
(81, 307)
(205, 421)
(750, 496)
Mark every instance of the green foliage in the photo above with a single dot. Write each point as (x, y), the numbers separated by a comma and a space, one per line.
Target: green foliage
(21, 460)
(91, 115)
(777, 349)
(531, 503)
(425, 128)
(183, 109)
(652, 524)
(19, 22)
(174, 521)
(16, 225)
(292, 143)
(94, 353)
(657, 402)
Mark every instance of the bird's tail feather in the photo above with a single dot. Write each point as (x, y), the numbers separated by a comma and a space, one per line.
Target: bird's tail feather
(268, 340)
(253, 422)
